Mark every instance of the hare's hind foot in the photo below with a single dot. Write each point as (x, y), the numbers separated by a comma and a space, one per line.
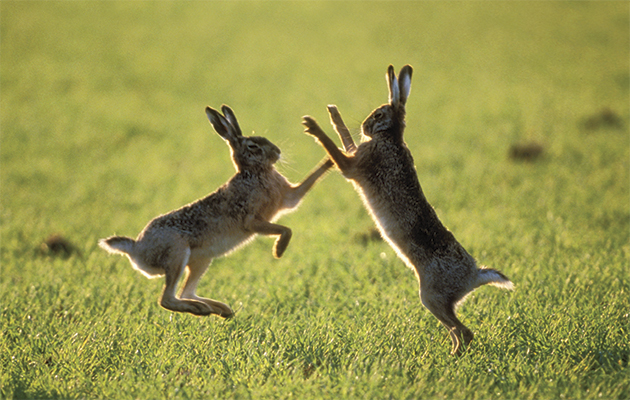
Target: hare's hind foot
(444, 311)
(461, 339)
(224, 311)
(188, 306)
(193, 304)
(219, 309)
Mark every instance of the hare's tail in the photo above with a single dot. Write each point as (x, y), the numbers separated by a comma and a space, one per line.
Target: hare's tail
(489, 276)
(117, 244)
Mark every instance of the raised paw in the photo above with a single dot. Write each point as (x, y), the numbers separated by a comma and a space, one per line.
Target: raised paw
(282, 243)
(312, 128)
(277, 251)
(341, 129)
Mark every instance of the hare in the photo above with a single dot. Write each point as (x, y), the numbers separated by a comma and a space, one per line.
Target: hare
(190, 237)
(383, 173)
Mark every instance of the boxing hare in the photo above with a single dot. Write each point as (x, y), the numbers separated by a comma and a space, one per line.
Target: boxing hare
(383, 172)
(190, 237)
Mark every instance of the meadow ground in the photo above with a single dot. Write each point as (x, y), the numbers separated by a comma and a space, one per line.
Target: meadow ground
(518, 121)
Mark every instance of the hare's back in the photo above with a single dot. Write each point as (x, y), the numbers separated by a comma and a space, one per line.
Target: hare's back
(193, 219)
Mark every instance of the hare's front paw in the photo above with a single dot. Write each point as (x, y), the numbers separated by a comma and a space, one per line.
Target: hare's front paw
(312, 128)
(278, 251)
(282, 243)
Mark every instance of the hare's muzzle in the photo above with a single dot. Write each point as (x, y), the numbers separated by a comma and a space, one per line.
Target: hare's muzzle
(276, 154)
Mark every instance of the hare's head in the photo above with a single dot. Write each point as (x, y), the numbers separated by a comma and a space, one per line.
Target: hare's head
(248, 152)
(389, 119)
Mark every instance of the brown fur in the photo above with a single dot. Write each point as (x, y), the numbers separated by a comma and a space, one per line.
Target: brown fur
(383, 173)
(190, 237)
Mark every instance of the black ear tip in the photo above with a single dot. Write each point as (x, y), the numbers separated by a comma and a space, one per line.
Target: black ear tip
(211, 111)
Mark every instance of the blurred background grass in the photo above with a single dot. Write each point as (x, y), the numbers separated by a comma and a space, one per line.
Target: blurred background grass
(102, 102)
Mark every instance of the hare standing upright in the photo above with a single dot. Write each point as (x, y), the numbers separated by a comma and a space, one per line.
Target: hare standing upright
(383, 172)
(190, 237)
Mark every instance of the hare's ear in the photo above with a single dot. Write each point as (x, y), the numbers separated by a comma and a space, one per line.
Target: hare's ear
(404, 83)
(229, 115)
(220, 124)
(392, 84)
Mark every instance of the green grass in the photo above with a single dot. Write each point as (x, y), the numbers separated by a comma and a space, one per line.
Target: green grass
(103, 128)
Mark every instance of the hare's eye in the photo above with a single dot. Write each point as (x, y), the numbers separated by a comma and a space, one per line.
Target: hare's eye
(378, 115)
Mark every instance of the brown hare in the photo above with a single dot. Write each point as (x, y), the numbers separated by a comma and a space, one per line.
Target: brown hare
(383, 173)
(190, 237)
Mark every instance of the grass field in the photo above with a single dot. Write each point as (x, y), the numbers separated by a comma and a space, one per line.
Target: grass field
(102, 128)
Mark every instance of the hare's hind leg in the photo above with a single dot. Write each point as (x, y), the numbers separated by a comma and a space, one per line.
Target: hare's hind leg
(461, 336)
(195, 270)
(175, 267)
